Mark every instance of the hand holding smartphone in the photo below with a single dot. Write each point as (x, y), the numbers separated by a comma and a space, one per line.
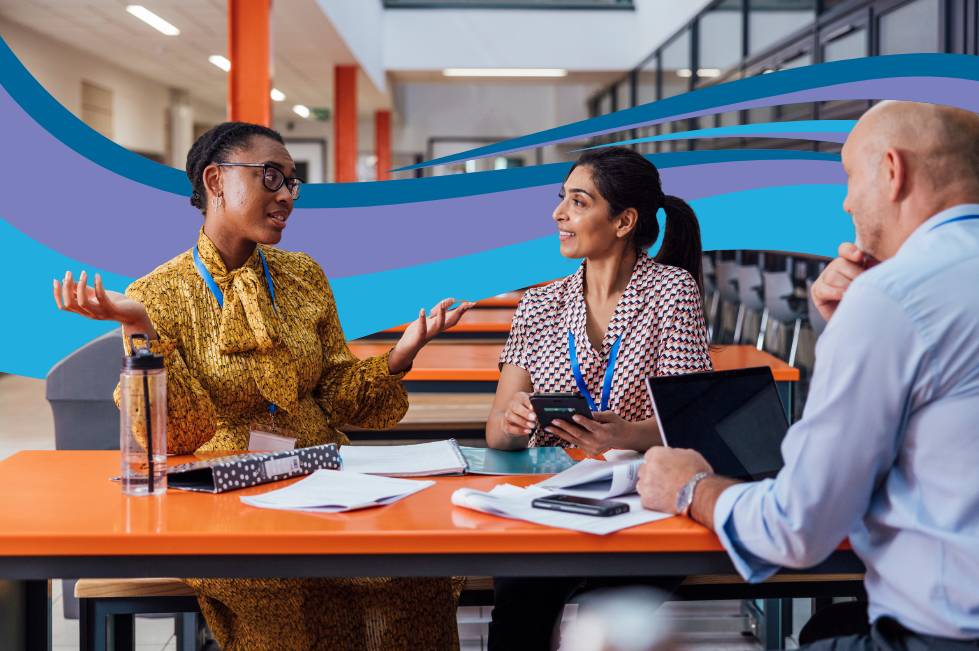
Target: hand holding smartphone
(558, 406)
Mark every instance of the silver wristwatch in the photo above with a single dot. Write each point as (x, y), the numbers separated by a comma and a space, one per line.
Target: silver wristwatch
(684, 497)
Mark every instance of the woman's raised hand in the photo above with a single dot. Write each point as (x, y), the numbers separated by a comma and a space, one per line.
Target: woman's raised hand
(422, 330)
(101, 304)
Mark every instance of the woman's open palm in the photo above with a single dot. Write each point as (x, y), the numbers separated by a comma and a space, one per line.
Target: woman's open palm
(96, 302)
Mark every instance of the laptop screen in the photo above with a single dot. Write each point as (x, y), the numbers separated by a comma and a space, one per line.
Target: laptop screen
(734, 418)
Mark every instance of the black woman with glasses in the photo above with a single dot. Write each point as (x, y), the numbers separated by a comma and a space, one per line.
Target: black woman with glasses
(251, 341)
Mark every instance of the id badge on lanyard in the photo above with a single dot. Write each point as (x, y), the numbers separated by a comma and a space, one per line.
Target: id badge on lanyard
(579, 380)
(258, 439)
(269, 441)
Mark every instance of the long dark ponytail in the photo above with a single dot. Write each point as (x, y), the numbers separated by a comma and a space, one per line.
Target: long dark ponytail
(628, 180)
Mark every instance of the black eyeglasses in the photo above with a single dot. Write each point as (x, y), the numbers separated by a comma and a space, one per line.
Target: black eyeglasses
(272, 177)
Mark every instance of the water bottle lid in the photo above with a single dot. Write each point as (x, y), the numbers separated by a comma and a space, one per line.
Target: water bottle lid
(142, 358)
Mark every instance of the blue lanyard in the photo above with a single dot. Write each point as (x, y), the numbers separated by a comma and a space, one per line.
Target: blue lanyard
(213, 286)
(609, 372)
(219, 295)
(953, 219)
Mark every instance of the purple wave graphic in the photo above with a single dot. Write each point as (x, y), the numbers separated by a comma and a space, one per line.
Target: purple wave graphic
(411, 234)
(101, 218)
(68, 203)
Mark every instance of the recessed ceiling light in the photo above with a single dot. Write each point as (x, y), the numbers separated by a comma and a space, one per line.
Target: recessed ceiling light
(277, 95)
(684, 73)
(220, 62)
(301, 110)
(152, 20)
(505, 72)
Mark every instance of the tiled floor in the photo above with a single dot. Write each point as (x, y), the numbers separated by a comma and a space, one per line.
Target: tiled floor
(28, 425)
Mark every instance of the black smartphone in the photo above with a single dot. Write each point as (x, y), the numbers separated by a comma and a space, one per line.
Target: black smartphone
(558, 406)
(582, 505)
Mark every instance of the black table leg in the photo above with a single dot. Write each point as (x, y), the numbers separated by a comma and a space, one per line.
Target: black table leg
(37, 604)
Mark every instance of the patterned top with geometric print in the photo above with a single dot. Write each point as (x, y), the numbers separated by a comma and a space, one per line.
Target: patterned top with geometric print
(659, 316)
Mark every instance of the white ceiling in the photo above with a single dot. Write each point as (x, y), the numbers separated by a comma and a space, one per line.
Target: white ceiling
(305, 45)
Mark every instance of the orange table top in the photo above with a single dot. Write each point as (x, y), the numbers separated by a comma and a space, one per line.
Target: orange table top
(62, 503)
(479, 320)
(509, 299)
(477, 362)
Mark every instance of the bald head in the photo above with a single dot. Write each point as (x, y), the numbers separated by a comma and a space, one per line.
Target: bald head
(905, 162)
(941, 143)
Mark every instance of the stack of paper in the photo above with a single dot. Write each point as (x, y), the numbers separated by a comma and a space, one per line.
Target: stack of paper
(420, 460)
(509, 501)
(333, 491)
(598, 479)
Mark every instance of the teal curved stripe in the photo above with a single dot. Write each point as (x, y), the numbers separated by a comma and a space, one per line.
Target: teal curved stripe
(63, 125)
(801, 218)
(33, 345)
(757, 129)
(957, 66)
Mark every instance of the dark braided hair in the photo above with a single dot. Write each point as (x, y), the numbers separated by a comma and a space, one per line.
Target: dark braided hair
(628, 180)
(213, 147)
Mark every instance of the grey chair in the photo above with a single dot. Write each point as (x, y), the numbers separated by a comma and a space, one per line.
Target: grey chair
(752, 305)
(725, 271)
(784, 316)
(712, 298)
(79, 389)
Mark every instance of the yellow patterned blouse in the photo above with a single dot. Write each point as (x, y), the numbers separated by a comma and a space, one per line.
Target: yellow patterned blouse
(224, 366)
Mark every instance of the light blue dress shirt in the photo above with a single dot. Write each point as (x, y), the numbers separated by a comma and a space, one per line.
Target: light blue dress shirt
(887, 450)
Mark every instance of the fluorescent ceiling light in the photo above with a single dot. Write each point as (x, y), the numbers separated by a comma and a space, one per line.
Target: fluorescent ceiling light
(703, 73)
(220, 62)
(301, 110)
(152, 20)
(505, 72)
(277, 95)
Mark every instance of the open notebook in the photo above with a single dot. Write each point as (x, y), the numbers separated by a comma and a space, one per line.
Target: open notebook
(449, 458)
(418, 460)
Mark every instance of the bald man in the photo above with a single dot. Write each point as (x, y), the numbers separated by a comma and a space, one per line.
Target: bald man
(887, 450)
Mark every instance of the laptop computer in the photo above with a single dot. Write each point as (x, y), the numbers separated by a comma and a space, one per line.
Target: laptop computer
(735, 419)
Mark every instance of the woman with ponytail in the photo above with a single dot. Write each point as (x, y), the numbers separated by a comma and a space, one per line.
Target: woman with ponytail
(621, 317)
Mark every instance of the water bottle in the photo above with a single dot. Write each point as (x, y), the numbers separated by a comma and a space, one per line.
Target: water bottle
(143, 420)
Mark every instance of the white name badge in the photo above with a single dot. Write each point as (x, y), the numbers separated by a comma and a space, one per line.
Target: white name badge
(268, 442)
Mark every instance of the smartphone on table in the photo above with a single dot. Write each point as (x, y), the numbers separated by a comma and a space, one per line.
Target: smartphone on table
(558, 406)
(580, 505)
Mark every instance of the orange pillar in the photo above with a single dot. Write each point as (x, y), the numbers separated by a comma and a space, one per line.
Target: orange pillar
(382, 144)
(345, 122)
(249, 48)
